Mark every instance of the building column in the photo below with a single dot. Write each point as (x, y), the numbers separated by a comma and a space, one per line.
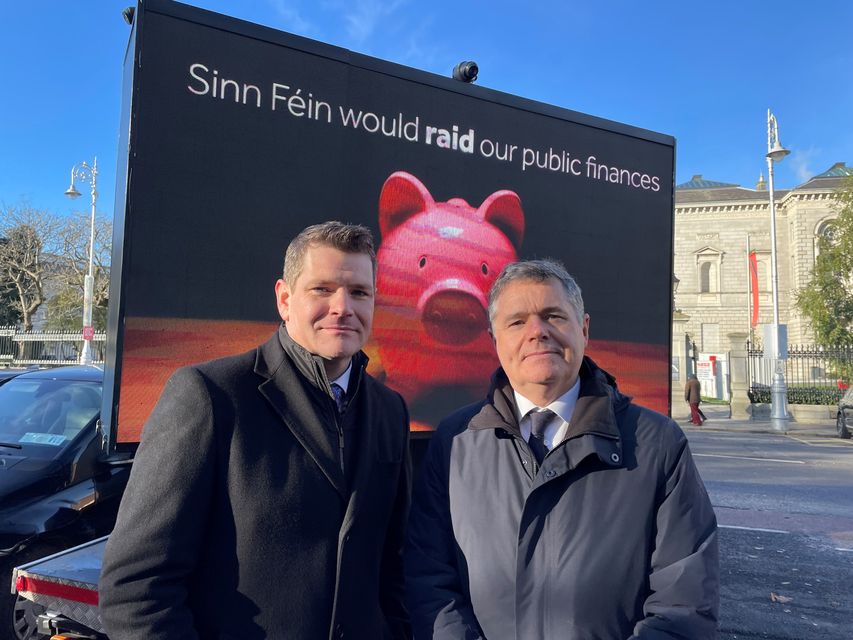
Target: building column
(739, 378)
(680, 351)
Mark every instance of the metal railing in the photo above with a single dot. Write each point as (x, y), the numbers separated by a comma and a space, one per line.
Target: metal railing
(814, 374)
(20, 348)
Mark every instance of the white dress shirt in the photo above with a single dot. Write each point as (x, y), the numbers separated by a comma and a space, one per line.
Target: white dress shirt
(563, 407)
(343, 380)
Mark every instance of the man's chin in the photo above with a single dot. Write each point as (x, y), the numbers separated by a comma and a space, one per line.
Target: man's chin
(543, 371)
(342, 349)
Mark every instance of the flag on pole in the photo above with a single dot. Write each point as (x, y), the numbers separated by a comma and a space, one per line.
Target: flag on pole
(753, 285)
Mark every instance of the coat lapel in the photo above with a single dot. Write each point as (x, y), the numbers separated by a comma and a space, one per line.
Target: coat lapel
(365, 457)
(292, 401)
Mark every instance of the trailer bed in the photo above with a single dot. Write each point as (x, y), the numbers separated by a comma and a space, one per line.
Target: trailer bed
(65, 583)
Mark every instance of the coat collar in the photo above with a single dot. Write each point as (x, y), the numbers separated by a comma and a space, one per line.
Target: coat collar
(297, 389)
(595, 414)
(270, 356)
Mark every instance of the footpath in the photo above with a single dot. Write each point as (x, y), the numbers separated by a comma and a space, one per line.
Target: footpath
(719, 420)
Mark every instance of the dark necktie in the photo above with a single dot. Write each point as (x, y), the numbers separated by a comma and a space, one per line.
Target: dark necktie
(538, 421)
(340, 397)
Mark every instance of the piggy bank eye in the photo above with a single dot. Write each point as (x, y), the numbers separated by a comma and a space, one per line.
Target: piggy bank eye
(485, 269)
(422, 262)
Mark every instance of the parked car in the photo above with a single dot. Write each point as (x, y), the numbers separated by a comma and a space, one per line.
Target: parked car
(8, 374)
(844, 417)
(55, 489)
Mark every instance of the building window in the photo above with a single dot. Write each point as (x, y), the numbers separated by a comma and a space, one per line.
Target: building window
(708, 263)
(707, 277)
(827, 231)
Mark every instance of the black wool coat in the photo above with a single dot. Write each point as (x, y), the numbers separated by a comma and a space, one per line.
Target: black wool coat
(239, 520)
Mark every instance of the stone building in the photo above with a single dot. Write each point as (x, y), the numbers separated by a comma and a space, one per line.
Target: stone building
(715, 224)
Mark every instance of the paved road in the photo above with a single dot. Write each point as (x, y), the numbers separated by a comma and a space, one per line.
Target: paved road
(779, 482)
(810, 582)
(785, 506)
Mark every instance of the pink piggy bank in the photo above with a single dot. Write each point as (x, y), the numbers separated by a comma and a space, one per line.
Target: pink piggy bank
(436, 264)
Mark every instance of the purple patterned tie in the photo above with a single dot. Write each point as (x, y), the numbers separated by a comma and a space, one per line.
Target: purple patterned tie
(340, 397)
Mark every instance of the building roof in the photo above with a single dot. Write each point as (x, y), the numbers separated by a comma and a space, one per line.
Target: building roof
(698, 182)
(832, 178)
(727, 194)
(699, 190)
(838, 170)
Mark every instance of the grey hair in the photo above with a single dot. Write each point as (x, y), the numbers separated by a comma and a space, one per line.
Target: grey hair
(349, 238)
(537, 271)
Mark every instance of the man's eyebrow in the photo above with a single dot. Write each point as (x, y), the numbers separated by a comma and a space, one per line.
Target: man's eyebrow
(319, 282)
(554, 309)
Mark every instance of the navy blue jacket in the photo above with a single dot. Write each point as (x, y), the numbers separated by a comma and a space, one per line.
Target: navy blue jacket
(613, 537)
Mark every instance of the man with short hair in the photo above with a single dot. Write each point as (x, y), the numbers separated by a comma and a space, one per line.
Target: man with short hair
(269, 494)
(557, 508)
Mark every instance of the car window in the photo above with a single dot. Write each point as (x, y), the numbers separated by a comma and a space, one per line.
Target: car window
(45, 415)
(848, 397)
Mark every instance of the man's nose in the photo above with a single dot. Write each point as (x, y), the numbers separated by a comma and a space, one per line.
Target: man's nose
(341, 302)
(537, 328)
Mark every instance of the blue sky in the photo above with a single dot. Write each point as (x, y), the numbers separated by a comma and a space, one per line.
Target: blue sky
(703, 72)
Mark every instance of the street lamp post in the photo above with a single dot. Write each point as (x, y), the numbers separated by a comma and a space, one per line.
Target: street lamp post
(87, 173)
(778, 389)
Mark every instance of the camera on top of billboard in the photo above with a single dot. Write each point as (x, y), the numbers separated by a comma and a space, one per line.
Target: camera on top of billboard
(466, 71)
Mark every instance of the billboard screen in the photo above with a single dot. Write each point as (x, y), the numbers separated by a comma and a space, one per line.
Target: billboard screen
(240, 136)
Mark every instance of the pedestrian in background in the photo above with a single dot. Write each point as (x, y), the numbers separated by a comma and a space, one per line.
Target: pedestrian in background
(693, 396)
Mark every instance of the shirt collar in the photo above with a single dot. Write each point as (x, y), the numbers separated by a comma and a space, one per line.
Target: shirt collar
(564, 406)
(343, 380)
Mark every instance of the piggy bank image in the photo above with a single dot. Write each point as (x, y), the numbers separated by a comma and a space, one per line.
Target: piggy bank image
(436, 263)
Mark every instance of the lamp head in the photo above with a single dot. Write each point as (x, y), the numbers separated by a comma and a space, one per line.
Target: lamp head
(778, 152)
(72, 192)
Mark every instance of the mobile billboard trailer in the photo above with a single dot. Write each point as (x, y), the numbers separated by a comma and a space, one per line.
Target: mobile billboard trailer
(236, 136)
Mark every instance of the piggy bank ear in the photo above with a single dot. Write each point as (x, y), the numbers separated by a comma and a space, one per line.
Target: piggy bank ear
(403, 195)
(503, 209)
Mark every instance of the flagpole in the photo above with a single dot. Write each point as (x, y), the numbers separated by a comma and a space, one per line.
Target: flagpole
(749, 294)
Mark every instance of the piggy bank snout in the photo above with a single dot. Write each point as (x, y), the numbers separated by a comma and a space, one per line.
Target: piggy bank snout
(453, 316)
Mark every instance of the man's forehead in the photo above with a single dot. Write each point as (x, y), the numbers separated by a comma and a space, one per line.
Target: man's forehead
(321, 256)
(326, 256)
(523, 293)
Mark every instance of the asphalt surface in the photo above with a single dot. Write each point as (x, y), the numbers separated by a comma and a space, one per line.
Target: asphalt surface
(783, 587)
(785, 508)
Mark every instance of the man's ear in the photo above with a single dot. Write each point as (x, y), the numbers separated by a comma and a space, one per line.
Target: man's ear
(585, 329)
(282, 299)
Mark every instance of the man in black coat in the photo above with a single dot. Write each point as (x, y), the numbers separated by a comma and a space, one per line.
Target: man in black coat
(264, 502)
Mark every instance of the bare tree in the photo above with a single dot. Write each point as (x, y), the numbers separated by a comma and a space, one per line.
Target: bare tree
(9, 314)
(71, 267)
(30, 235)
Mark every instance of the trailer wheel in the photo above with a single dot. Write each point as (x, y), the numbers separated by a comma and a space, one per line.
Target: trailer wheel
(24, 617)
(18, 615)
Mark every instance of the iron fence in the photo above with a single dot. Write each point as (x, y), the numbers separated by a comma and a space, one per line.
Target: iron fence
(21, 348)
(813, 374)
